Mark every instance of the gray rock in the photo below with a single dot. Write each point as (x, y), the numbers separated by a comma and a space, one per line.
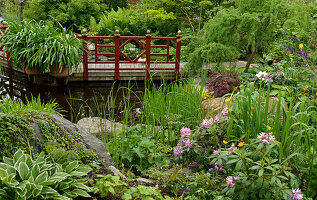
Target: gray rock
(145, 180)
(97, 125)
(89, 140)
(38, 135)
(117, 172)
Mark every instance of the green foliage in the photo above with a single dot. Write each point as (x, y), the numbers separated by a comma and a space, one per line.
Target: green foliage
(25, 178)
(68, 13)
(258, 171)
(62, 146)
(30, 42)
(15, 134)
(179, 99)
(143, 193)
(109, 184)
(124, 20)
(137, 150)
(8, 105)
(246, 27)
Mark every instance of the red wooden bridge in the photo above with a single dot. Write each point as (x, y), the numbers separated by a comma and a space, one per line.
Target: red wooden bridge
(104, 58)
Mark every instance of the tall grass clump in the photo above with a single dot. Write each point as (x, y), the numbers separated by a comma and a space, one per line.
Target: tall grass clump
(8, 105)
(176, 104)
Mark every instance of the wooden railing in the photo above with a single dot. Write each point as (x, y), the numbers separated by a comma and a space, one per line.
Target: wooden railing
(119, 56)
(6, 55)
(118, 45)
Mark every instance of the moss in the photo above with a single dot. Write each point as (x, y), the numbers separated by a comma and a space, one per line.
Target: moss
(16, 133)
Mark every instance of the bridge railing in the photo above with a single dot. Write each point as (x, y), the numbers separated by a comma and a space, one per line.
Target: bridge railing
(6, 55)
(119, 42)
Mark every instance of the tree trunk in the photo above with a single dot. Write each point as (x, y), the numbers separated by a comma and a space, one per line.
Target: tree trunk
(20, 12)
(249, 61)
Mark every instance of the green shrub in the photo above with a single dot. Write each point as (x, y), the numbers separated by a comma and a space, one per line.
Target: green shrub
(23, 177)
(109, 184)
(144, 193)
(254, 171)
(68, 13)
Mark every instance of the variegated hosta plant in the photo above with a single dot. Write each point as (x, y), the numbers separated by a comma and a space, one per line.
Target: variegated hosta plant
(24, 178)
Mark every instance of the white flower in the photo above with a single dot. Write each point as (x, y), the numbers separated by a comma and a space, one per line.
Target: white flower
(262, 75)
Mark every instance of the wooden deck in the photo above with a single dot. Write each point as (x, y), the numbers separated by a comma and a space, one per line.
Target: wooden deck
(105, 75)
(108, 75)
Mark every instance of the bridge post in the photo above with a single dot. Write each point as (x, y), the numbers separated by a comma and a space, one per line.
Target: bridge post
(148, 53)
(85, 55)
(178, 53)
(5, 26)
(117, 55)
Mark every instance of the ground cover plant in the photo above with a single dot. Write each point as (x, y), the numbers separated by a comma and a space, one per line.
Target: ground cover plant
(261, 145)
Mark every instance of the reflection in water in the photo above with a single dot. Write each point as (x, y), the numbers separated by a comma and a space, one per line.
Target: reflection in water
(77, 99)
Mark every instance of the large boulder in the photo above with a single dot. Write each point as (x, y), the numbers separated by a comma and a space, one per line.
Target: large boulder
(97, 126)
(86, 139)
(90, 141)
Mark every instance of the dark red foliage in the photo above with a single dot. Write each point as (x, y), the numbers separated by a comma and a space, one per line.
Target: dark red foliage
(222, 83)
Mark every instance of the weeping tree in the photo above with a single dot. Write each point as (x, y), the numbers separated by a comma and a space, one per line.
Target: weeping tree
(248, 26)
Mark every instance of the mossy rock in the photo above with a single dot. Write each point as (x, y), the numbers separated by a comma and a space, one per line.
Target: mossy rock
(37, 132)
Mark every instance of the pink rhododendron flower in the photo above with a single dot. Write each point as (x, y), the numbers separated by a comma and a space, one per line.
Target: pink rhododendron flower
(185, 132)
(207, 122)
(180, 144)
(217, 168)
(216, 153)
(225, 111)
(266, 138)
(233, 148)
(188, 143)
(296, 194)
(231, 181)
(216, 119)
(178, 151)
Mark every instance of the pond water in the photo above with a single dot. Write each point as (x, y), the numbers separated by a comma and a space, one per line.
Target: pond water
(77, 99)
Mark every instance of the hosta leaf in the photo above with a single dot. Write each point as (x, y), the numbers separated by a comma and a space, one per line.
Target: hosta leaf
(8, 161)
(29, 161)
(8, 168)
(23, 170)
(59, 176)
(22, 193)
(63, 186)
(41, 178)
(77, 173)
(82, 186)
(84, 169)
(35, 171)
(22, 185)
(71, 166)
(3, 194)
(47, 190)
(17, 155)
(80, 192)
(3, 174)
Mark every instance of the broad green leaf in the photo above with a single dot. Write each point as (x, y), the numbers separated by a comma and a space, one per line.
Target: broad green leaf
(261, 172)
(23, 170)
(41, 178)
(3, 174)
(81, 192)
(71, 166)
(17, 155)
(35, 171)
